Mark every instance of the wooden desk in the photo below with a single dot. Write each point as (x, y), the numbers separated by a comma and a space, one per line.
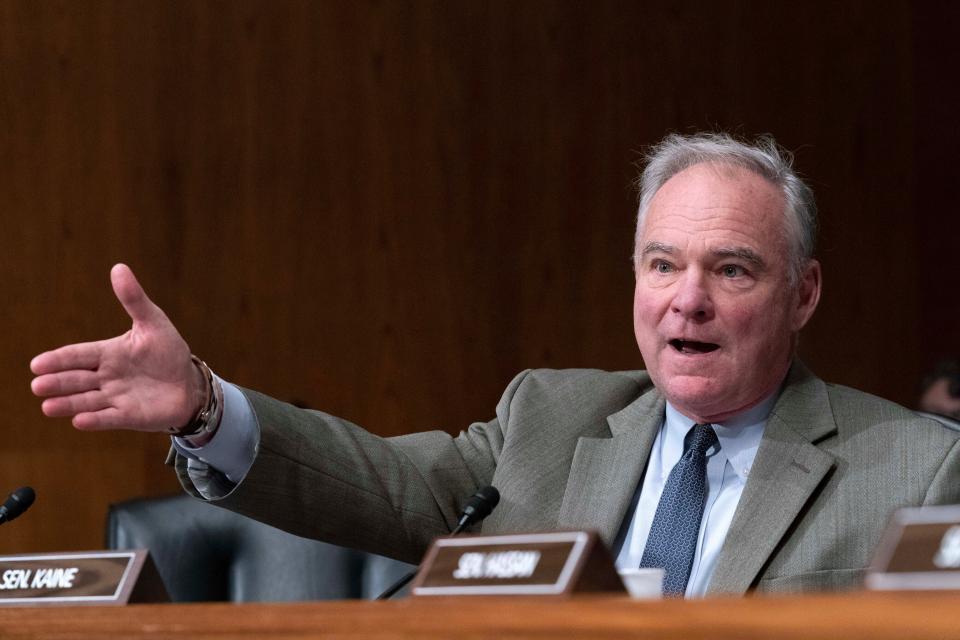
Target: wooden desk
(866, 616)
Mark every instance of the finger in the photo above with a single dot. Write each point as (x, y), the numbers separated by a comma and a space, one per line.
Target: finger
(65, 383)
(85, 355)
(66, 406)
(109, 418)
(133, 298)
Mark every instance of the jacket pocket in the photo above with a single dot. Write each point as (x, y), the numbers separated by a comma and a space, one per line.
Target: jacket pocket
(825, 580)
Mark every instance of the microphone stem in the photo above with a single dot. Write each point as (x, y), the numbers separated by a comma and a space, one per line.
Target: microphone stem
(396, 586)
(478, 507)
(402, 582)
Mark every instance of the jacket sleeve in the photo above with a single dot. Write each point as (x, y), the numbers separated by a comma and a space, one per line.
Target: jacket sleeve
(318, 476)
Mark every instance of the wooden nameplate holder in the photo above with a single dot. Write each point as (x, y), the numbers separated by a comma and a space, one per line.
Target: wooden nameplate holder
(919, 550)
(557, 563)
(80, 578)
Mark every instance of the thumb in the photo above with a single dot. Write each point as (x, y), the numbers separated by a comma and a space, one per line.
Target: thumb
(132, 296)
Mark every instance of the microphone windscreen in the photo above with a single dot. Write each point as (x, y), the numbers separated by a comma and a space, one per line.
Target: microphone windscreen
(481, 504)
(18, 502)
(490, 496)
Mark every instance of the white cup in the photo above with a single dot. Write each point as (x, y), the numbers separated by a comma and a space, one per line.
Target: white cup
(644, 584)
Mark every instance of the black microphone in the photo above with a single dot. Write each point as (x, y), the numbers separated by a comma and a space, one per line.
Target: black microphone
(478, 507)
(18, 502)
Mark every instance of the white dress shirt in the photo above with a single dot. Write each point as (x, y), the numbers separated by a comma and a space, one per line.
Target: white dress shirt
(727, 470)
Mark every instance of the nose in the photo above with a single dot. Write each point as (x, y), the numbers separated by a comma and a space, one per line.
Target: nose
(692, 298)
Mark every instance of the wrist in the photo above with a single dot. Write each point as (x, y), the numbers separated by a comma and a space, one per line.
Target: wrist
(200, 428)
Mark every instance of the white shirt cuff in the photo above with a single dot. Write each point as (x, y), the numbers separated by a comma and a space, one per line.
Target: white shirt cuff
(233, 447)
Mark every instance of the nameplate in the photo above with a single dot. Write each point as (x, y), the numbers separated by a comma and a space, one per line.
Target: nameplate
(80, 578)
(920, 549)
(555, 563)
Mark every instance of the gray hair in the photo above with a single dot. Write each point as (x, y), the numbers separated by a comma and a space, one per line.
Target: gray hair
(763, 157)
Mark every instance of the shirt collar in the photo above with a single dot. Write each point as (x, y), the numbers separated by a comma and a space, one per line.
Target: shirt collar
(739, 435)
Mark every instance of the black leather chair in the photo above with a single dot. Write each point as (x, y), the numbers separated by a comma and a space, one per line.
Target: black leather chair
(205, 553)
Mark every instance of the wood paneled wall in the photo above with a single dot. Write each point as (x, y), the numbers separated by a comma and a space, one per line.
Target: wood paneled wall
(386, 209)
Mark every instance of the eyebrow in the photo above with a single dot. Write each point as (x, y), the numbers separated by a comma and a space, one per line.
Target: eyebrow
(743, 253)
(657, 247)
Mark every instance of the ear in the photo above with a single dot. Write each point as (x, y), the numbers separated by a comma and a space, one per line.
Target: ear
(808, 294)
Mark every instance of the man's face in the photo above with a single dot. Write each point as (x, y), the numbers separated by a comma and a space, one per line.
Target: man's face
(714, 313)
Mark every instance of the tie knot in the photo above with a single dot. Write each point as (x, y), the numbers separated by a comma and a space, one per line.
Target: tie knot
(700, 439)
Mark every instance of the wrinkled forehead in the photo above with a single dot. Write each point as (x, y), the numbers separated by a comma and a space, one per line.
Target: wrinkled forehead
(713, 197)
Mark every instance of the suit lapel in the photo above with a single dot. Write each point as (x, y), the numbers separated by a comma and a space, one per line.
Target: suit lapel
(787, 471)
(605, 471)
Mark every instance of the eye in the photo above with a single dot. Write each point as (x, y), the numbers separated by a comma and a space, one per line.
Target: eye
(662, 266)
(732, 271)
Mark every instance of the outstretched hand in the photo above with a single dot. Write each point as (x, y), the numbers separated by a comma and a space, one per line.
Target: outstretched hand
(142, 380)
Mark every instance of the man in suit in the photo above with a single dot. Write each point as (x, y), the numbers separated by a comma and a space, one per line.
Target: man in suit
(726, 461)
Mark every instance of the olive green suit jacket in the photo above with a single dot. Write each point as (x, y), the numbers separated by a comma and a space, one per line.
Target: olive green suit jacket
(567, 450)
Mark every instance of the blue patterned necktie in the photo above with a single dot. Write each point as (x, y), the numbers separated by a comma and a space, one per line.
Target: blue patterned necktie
(676, 524)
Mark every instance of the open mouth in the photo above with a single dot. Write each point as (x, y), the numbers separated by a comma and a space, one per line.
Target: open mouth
(693, 347)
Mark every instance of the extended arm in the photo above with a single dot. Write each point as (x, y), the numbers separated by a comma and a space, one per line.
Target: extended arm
(322, 477)
(312, 474)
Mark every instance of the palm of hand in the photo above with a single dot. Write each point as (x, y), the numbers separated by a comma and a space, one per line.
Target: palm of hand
(142, 380)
